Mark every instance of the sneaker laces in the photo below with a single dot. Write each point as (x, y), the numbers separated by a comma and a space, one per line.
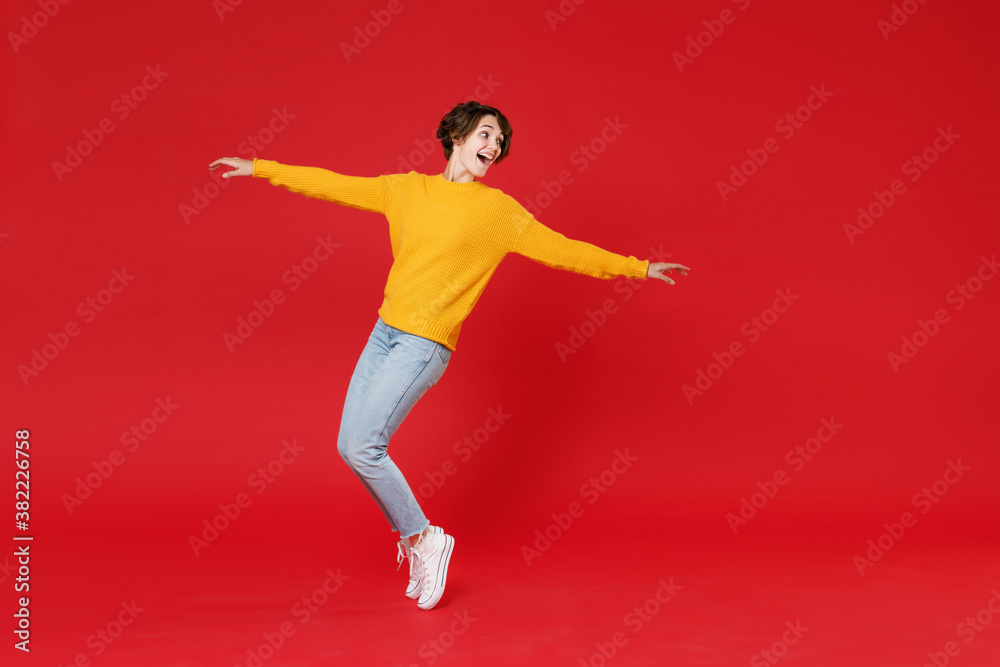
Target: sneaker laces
(424, 577)
(423, 574)
(420, 571)
(402, 555)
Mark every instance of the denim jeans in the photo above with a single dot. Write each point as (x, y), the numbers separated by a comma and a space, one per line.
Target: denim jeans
(395, 369)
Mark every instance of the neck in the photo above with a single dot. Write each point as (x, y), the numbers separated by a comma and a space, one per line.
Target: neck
(455, 172)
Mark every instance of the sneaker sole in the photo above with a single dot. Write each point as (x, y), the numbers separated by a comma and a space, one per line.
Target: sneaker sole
(442, 578)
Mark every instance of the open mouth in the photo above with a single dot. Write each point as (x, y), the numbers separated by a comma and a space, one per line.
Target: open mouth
(484, 160)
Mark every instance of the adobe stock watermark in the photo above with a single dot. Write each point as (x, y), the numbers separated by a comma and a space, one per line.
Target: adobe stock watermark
(248, 149)
(581, 158)
(593, 320)
(364, 35)
(294, 278)
(695, 46)
(101, 639)
(900, 14)
(424, 148)
(779, 649)
(635, 620)
(786, 126)
(131, 439)
(753, 329)
(259, 481)
(464, 450)
(88, 309)
(967, 629)
(591, 491)
(30, 25)
(223, 7)
(924, 500)
(433, 649)
(796, 458)
(302, 611)
(958, 296)
(562, 12)
(122, 107)
(913, 168)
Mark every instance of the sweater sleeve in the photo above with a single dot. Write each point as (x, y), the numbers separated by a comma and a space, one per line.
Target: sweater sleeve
(367, 193)
(545, 246)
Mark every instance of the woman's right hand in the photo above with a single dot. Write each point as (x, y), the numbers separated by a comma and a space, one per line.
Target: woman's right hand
(240, 166)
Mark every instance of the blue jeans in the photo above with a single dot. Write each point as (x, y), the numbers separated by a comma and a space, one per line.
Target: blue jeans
(395, 369)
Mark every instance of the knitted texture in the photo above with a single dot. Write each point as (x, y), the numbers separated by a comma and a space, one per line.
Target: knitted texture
(447, 239)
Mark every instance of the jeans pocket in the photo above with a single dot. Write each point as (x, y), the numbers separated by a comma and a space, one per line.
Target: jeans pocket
(444, 354)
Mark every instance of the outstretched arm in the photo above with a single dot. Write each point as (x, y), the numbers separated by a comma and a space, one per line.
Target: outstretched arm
(365, 193)
(541, 244)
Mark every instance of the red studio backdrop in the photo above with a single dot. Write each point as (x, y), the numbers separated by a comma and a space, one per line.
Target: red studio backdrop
(789, 457)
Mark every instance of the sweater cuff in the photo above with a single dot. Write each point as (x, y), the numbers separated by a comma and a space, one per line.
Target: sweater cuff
(639, 268)
(264, 168)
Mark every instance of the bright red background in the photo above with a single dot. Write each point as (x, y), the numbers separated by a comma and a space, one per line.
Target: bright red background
(654, 185)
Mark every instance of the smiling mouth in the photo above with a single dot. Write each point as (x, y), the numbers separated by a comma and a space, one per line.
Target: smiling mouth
(484, 160)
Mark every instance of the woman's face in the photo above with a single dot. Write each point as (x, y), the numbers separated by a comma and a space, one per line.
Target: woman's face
(482, 147)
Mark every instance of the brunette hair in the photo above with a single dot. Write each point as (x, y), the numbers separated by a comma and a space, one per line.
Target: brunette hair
(463, 119)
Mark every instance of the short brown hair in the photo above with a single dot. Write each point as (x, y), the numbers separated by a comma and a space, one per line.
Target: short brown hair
(463, 119)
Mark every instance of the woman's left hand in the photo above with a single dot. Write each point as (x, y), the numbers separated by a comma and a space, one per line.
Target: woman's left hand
(656, 270)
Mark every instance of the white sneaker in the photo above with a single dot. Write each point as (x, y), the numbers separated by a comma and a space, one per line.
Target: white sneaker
(434, 552)
(413, 588)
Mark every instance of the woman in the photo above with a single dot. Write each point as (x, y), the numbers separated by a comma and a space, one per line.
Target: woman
(448, 234)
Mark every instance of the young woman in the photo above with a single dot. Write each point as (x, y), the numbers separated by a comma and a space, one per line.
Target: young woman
(448, 234)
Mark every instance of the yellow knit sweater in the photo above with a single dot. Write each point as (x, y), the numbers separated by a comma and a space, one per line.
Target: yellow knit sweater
(447, 240)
